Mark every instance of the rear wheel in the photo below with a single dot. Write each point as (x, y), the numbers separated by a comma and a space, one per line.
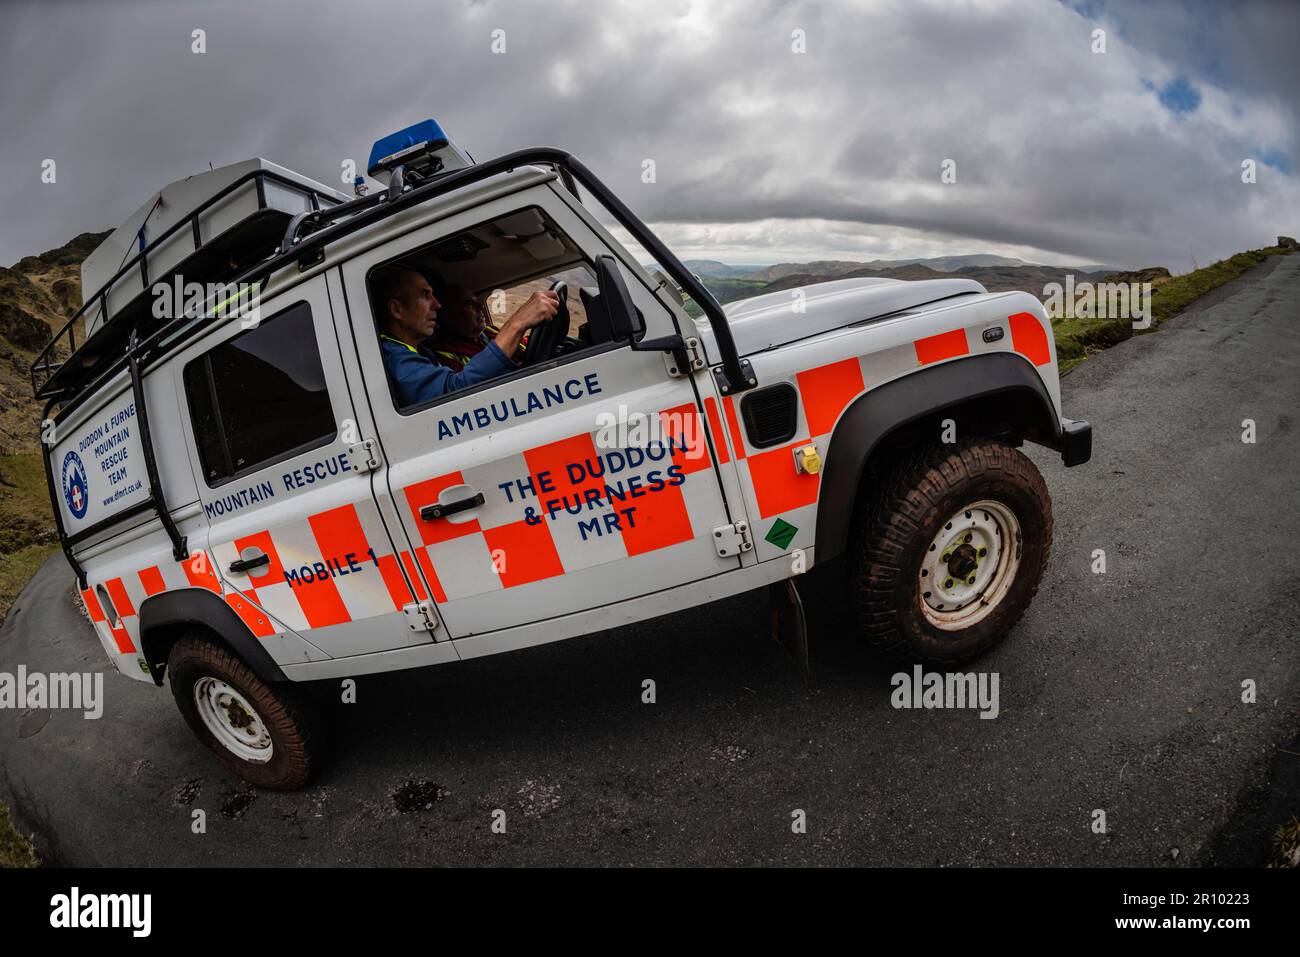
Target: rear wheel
(948, 551)
(269, 735)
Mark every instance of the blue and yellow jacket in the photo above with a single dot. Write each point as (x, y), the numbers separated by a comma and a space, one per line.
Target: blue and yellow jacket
(418, 376)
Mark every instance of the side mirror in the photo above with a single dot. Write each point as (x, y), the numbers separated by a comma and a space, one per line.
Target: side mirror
(625, 322)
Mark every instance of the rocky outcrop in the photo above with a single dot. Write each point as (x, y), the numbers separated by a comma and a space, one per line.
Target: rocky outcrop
(37, 295)
(1152, 274)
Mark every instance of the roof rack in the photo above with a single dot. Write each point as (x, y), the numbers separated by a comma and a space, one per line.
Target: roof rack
(217, 260)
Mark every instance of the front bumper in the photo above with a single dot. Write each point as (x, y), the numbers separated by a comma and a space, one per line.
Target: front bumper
(1076, 441)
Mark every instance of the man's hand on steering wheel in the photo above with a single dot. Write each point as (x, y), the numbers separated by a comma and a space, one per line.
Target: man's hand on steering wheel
(543, 342)
(540, 307)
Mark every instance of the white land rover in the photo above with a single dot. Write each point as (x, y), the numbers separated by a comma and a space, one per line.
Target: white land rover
(246, 505)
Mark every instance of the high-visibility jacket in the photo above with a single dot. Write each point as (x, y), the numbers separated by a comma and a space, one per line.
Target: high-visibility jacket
(455, 352)
(418, 375)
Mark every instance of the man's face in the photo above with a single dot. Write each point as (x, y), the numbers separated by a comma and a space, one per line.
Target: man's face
(412, 314)
(464, 316)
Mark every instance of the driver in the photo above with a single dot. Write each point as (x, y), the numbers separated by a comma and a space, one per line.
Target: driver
(407, 312)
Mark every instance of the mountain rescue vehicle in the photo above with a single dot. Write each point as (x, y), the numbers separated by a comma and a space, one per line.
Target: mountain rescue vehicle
(247, 505)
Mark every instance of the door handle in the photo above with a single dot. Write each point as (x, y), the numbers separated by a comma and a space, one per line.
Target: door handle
(433, 512)
(256, 560)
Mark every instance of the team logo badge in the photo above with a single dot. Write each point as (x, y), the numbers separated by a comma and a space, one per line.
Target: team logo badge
(75, 490)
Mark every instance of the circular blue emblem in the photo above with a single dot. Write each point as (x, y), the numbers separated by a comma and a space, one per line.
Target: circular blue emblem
(75, 490)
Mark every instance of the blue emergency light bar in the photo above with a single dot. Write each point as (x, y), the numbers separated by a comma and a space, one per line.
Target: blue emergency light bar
(423, 150)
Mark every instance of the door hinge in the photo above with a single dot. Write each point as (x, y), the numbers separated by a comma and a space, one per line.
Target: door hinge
(420, 616)
(731, 540)
(364, 456)
(685, 361)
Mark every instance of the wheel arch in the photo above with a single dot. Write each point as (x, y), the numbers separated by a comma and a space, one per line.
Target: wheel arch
(167, 616)
(990, 394)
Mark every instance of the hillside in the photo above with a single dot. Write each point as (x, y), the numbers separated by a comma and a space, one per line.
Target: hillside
(711, 268)
(994, 278)
(37, 294)
(840, 269)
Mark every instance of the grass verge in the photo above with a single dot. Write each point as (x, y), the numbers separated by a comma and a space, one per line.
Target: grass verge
(1076, 339)
(27, 534)
(27, 539)
(15, 850)
(17, 569)
(1286, 845)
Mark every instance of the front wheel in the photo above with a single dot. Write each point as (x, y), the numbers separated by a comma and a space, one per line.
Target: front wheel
(948, 551)
(269, 735)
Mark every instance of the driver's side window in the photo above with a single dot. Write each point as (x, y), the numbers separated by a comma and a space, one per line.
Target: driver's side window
(480, 277)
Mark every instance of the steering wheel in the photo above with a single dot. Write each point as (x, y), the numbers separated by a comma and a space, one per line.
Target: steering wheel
(544, 338)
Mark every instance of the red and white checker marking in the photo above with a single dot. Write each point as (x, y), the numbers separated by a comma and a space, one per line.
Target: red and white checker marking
(328, 569)
(502, 548)
(127, 593)
(775, 488)
(339, 540)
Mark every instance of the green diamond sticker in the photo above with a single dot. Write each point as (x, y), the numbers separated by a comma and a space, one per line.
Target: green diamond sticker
(781, 534)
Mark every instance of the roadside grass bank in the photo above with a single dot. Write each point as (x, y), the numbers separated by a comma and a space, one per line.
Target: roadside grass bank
(15, 850)
(1286, 845)
(1078, 338)
(27, 535)
(27, 539)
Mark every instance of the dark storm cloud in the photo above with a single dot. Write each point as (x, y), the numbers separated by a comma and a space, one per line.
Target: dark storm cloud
(1058, 150)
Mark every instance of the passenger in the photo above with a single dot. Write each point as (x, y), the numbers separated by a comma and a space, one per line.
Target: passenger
(408, 313)
(464, 328)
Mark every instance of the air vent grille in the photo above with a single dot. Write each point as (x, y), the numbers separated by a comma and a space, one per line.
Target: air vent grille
(771, 415)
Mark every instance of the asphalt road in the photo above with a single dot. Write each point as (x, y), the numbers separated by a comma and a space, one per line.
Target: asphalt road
(1119, 691)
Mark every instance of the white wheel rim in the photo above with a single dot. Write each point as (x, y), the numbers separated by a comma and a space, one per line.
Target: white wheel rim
(232, 720)
(969, 565)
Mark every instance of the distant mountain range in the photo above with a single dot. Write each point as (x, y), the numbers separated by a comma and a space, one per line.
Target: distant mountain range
(712, 268)
(731, 282)
(1027, 277)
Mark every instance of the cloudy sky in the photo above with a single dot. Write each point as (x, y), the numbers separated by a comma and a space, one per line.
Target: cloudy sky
(762, 153)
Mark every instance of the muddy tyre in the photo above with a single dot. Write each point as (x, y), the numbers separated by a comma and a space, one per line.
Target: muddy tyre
(947, 551)
(269, 735)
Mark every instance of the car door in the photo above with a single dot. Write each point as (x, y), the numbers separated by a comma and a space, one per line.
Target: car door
(293, 522)
(520, 498)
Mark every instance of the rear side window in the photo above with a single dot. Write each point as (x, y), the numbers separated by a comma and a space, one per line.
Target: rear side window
(259, 397)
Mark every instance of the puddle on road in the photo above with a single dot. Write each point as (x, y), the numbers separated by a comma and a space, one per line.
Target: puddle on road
(418, 795)
(186, 794)
(235, 806)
